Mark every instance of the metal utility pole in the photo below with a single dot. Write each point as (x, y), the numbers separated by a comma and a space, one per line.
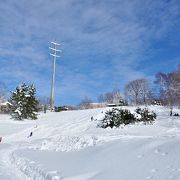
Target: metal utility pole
(54, 53)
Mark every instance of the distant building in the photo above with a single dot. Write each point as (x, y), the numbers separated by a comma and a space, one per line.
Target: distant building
(97, 105)
(119, 103)
(111, 105)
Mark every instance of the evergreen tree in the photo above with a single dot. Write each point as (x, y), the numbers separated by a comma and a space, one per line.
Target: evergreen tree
(23, 103)
(32, 103)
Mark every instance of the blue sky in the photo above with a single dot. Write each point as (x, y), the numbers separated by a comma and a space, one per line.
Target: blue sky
(105, 43)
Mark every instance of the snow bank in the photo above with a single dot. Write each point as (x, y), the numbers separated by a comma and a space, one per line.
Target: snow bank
(32, 170)
(68, 143)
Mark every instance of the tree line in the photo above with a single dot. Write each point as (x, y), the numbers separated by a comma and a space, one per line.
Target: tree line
(165, 90)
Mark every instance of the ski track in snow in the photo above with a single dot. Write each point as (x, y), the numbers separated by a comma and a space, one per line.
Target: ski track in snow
(73, 132)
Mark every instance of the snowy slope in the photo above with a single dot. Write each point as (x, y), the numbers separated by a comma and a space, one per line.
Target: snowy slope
(69, 146)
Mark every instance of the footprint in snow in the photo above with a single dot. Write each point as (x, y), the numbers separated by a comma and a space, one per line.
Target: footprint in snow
(169, 166)
(164, 153)
(140, 156)
(157, 151)
(172, 176)
(154, 170)
(149, 177)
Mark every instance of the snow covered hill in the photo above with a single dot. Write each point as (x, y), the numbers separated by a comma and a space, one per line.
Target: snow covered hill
(69, 146)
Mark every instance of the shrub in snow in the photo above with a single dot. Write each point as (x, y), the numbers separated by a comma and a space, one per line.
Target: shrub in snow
(126, 116)
(145, 115)
(23, 103)
(110, 119)
(157, 102)
(116, 117)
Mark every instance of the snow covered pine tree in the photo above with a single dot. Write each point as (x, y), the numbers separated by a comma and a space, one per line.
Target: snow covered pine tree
(23, 103)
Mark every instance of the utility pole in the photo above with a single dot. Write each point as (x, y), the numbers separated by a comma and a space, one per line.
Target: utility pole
(55, 50)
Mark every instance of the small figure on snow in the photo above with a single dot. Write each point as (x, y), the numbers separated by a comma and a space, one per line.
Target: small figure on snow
(45, 108)
(92, 118)
(30, 135)
(0, 139)
(171, 112)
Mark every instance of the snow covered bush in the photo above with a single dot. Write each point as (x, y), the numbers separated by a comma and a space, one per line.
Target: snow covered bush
(145, 115)
(116, 117)
(110, 119)
(23, 103)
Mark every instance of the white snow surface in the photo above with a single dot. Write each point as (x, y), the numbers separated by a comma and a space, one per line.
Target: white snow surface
(69, 146)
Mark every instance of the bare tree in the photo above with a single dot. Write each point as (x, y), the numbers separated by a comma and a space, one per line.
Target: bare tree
(169, 88)
(44, 100)
(132, 91)
(174, 87)
(101, 98)
(138, 91)
(145, 92)
(117, 97)
(3, 92)
(43, 103)
(86, 103)
(110, 97)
